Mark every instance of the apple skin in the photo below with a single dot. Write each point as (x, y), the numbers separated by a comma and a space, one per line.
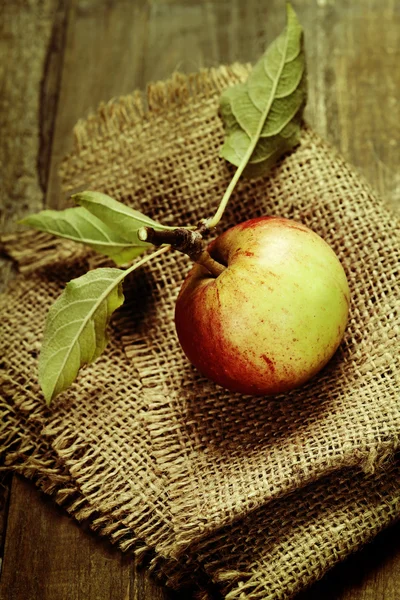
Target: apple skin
(276, 314)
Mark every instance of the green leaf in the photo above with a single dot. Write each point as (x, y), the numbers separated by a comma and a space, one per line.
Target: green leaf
(123, 219)
(262, 117)
(80, 225)
(75, 332)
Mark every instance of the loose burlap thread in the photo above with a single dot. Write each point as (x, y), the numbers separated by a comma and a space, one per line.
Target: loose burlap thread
(258, 495)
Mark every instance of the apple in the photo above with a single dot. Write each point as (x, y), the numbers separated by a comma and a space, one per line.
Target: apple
(275, 315)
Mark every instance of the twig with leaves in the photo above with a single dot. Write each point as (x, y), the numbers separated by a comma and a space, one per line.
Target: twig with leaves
(262, 119)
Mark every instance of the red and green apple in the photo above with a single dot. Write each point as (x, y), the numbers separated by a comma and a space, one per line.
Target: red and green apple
(275, 315)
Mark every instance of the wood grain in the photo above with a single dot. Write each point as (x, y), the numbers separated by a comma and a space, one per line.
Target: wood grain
(22, 66)
(5, 485)
(104, 56)
(21, 70)
(353, 53)
(48, 555)
(58, 60)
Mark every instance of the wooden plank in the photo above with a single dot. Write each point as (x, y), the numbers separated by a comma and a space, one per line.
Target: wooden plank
(21, 69)
(5, 485)
(187, 36)
(353, 57)
(48, 555)
(105, 44)
(368, 79)
(49, 91)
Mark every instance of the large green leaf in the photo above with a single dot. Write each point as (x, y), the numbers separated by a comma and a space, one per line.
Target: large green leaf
(122, 218)
(80, 225)
(262, 117)
(75, 332)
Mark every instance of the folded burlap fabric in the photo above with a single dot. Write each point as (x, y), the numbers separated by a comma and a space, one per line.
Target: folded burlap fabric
(258, 495)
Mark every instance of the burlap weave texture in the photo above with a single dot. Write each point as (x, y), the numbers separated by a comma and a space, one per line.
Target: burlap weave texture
(238, 488)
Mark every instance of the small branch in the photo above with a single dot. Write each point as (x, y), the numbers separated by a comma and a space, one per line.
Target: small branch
(186, 241)
(144, 260)
(213, 221)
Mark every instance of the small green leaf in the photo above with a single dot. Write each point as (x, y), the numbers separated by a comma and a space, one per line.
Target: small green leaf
(123, 219)
(75, 332)
(80, 225)
(262, 117)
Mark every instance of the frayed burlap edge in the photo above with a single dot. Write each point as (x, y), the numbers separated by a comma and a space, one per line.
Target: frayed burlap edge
(127, 110)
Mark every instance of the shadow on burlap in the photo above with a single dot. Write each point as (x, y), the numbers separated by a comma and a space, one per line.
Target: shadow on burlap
(260, 496)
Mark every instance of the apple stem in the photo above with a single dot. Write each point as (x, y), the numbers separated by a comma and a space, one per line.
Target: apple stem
(213, 266)
(186, 241)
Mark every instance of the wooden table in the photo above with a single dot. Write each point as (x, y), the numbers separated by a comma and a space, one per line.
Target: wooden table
(58, 60)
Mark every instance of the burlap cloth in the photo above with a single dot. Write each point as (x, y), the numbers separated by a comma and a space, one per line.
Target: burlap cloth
(257, 496)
